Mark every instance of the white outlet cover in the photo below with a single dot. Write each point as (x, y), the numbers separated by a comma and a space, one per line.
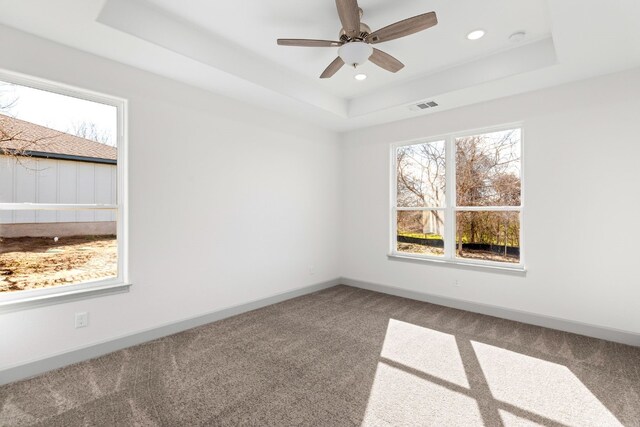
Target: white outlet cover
(82, 319)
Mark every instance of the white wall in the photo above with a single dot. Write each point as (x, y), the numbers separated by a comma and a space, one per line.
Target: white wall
(582, 238)
(228, 204)
(55, 181)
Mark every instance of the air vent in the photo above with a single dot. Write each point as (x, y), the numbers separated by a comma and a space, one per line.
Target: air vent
(423, 105)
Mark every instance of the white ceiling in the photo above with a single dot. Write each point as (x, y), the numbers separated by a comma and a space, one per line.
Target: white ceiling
(230, 48)
(257, 25)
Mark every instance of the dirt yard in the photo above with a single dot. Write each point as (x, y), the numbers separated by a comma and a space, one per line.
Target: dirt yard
(40, 262)
(469, 254)
(413, 248)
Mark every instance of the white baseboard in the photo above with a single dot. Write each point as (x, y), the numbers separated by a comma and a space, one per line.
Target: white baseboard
(595, 331)
(37, 367)
(49, 363)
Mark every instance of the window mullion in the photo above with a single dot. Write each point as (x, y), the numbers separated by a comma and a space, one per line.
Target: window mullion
(419, 208)
(55, 206)
(488, 208)
(450, 199)
(393, 245)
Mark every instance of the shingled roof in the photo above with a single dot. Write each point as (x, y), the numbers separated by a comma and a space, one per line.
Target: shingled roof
(38, 141)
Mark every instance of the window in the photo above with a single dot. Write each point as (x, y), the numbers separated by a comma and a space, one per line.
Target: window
(459, 199)
(62, 190)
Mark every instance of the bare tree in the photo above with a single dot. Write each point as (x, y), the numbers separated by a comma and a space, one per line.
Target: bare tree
(13, 142)
(421, 183)
(7, 102)
(487, 174)
(91, 131)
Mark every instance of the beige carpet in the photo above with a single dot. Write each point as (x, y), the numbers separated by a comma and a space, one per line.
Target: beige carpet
(342, 357)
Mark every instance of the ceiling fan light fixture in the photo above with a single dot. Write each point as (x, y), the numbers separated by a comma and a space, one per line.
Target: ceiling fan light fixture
(476, 34)
(360, 77)
(355, 53)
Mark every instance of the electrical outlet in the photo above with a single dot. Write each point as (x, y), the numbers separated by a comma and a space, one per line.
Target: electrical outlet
(456, 283)
(312, 270)
(82, 320)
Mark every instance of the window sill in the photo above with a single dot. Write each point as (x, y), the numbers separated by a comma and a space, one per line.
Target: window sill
(33, 300)
(459, 264)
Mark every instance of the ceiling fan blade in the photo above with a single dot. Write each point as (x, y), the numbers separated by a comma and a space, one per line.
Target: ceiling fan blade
(349, 13)
(386, 61)
(308, 43)
(403, 28)
(332, 68)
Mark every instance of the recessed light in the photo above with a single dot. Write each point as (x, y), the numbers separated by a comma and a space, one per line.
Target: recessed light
(517, 37)
(360, 77)
(476, 34)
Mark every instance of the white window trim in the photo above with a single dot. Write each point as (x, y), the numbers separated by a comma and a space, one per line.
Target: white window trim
(450, 207)
(20, 300)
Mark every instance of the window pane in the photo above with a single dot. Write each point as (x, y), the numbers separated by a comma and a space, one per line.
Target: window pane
(56, 148)
(488, 235)
(421, 175)
(488, 169)
(44, 254)
(421, 232)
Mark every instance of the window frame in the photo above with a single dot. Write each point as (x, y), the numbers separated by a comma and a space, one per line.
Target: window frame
(450, 207)
(19, 300)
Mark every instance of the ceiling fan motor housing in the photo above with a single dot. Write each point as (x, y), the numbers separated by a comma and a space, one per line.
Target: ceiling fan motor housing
(365, 30)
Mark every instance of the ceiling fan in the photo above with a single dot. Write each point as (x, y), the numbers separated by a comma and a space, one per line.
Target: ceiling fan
(356, 39)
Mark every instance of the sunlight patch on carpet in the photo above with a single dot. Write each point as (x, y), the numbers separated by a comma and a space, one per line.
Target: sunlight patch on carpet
(426, 350)
(540, 387)
(400, 398)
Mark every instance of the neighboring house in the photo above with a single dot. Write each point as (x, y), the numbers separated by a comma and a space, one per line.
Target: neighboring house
(42, 165)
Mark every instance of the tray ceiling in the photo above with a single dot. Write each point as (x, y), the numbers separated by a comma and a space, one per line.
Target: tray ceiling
(230, 48)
